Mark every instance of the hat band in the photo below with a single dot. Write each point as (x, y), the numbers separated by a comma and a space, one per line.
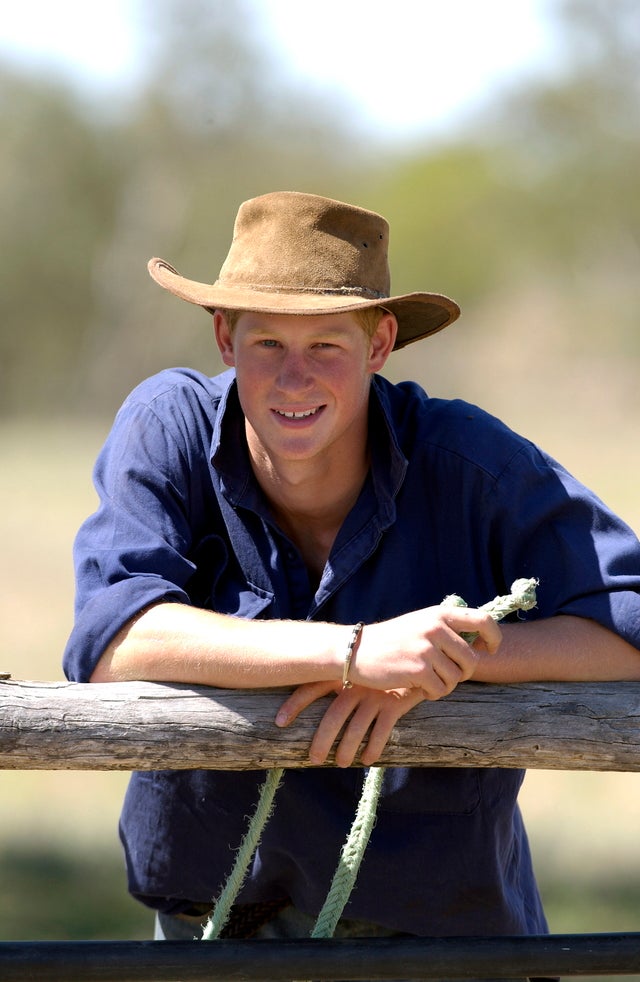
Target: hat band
(340, 291)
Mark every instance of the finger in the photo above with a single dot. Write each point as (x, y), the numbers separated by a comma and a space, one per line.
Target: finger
(489, 633)
(491, 639)
(440, 681)
(378, 739)
(331, 725)
(372, 723)
(456, 659)
(451, 667)
(464, 636)
(386, 721)
(302, 697)
(354, 734)
(453, 661)
(466, 620)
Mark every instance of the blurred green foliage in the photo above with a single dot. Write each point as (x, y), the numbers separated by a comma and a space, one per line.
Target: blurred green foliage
(539, 192)
(51, 894)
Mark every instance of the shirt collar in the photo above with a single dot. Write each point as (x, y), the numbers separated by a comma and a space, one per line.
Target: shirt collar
(388, 462)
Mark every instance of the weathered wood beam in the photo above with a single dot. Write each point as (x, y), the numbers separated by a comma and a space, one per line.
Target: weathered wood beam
(150, 726)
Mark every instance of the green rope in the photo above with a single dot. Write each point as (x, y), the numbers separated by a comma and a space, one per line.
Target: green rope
(351, 855)
(248, 846)
(522, 597)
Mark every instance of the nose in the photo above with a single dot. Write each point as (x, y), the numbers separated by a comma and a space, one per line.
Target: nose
(294, 373)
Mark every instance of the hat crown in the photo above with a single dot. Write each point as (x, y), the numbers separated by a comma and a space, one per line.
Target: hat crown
(292, 242)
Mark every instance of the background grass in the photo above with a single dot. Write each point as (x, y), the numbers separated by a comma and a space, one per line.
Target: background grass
(61, 871)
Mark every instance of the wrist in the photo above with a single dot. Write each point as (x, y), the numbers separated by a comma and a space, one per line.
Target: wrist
(352, 646)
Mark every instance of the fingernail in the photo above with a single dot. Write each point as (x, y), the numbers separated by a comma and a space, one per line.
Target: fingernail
(281, 719)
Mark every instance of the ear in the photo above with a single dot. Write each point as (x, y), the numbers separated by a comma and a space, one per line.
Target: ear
(382, 341)
(224, 338)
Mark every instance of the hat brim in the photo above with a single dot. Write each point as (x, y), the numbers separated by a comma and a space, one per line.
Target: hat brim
(419, 315)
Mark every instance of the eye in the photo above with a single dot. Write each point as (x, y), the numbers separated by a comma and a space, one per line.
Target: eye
(268, 343)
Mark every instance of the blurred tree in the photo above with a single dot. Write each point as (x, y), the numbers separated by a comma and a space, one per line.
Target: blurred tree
(568, 148)
(446, 233)
(540, 196)
(58, 183)
(86, 201)
(532, 220)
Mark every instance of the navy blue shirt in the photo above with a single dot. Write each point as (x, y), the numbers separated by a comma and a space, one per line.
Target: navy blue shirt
(455, 502)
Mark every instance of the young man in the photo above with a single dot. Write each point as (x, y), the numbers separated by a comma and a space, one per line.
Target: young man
(256, 526)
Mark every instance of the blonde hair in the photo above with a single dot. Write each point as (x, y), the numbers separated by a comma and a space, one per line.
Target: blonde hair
(368, 318)
(231, 317)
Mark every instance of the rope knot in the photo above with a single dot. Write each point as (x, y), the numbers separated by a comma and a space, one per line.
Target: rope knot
(522, 597)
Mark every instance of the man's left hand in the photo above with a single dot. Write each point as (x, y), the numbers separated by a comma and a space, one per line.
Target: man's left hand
(356, 715)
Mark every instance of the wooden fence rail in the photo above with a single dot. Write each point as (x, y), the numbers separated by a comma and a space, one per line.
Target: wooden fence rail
(149, 726)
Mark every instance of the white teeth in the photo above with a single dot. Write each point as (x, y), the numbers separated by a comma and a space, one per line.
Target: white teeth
(303, 415)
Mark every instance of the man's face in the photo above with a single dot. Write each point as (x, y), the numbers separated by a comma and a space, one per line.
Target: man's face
(303, 382)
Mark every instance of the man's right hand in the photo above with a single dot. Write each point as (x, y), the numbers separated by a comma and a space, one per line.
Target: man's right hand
(424, 650)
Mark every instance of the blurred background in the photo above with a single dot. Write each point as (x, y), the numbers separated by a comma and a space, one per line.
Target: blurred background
(501, 140)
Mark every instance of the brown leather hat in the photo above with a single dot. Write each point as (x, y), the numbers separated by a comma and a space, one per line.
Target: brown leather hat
(295, 253)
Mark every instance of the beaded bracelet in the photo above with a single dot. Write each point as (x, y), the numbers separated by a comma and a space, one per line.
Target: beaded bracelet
(353, 640)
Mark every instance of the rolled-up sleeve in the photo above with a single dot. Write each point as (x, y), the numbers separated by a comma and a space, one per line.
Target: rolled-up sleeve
(587, 559)
(133, 551)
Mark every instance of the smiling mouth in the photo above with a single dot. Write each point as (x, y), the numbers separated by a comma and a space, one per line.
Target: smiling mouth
(304, 414)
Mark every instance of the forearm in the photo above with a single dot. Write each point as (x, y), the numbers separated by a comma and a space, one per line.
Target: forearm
(560, 649)
(178, 643)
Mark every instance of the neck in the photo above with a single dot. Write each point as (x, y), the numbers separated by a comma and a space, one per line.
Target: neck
(310, 503)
